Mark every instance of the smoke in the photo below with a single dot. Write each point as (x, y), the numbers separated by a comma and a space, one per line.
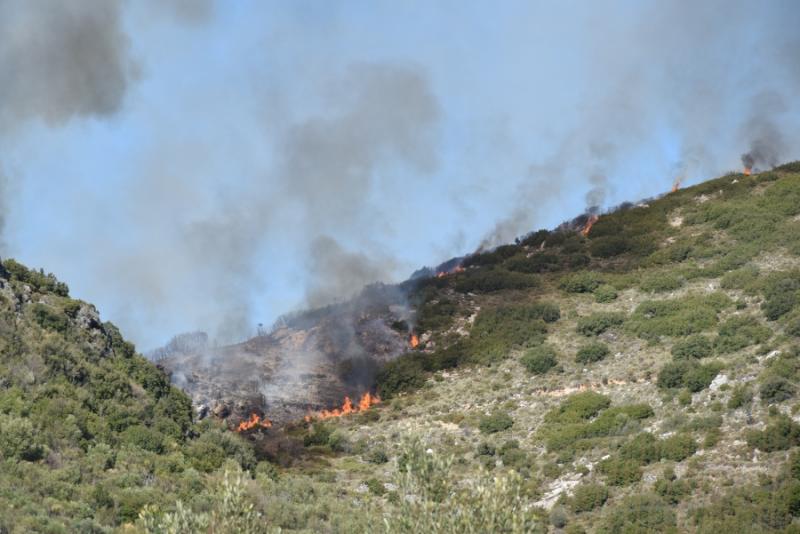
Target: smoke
(596, 196)
(61, 60)
(766, 141)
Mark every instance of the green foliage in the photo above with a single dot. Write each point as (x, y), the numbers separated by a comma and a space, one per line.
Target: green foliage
(781, 294)
(644, 448)
(581, 282)
(677, 317)
(619, 472)
(610, 246)
(441, 505)
(539, 360)
(661, 282)
(739, 332)
(587, 497)
(597, 323)
(678, 447)
(496, 422)
(578, 407)
(776, 389)
(489, 279)
(687, 374)
(605, 293)
(43, 283)
(740, 278)
(498, 255)
(639, 513)
(18, 440)
(436, 314)
(50, 318)
(498, 330)
(693, 347)
(741, 396)
(592, 352)
(404, 373)
(780, 435)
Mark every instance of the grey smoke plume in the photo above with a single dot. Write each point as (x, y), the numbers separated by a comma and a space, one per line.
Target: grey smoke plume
(596, 196)
(767, 145)
(60, 60)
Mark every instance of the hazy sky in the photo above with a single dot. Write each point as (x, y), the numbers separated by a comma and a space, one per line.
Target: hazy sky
(190, 164)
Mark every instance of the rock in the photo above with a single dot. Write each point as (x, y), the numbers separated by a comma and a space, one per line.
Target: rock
(718, 381)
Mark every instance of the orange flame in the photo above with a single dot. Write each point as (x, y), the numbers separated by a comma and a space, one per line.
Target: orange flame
(255, 421)
(366, 401)
(676, 184)
(588, 226)
(454, 270)
(413, 341)
(747, 171)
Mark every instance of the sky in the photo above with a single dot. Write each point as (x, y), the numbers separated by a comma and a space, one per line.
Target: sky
(208, 165)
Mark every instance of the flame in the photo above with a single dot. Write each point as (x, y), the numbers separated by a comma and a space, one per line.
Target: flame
(676, 184)
(454, 270)
(413, 341)
(747, 171)
(255, 421)
(366, 401)
(588, 226)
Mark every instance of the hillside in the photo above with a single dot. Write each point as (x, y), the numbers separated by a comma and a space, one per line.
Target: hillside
(634, 373)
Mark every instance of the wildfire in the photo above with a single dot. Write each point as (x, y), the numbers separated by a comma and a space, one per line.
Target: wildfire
(588, 226)
(366, 401)
(454, 270)
(413, 341)
(747, 171)
(676, 184)
(255, 421)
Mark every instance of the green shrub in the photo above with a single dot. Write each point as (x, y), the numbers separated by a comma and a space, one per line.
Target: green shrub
(536, 263)
(498, 255)
(597, 323)
(541, 359)
(619, 472)
(677, 317)
(740, 332)
(593, 352)
(605, 293)
(50, 318)
(498, 330)
(144, 438)
(578, 407)
(644, 449)
(741, 396)
(660, 282)
(696, 346)
(781, 435)
(740, 278)
(404, 373)
(377, 456)
(587, 497)
(581, 282)
(776, 389)
(793, 326)
(489, 279)
(781, 295)
(608, 247)
(496, 422)
(687, 374)
(18, 440)
(671, 489)
(678, 447)
(639, 513)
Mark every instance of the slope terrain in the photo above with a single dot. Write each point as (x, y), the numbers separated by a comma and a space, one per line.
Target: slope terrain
(636, 372)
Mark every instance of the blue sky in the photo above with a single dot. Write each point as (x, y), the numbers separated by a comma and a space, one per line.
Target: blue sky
(262, 156)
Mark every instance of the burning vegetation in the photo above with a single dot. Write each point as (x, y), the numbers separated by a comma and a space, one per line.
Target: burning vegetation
(413, 341)
(255, 421)
(366, 401)
(588, 226)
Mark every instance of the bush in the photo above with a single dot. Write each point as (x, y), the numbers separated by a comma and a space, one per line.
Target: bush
(693, 376)
(144, 438)
(496, 422)
(539, 360)
(740, 278)
(740, 332)
(678, 447)
(740, 396)
(593, 352)
(489, 279)
(608, 247)
(639, 513)
(644, 449)
(405, 373)
(498, 330)
(677, 317)
(692, 347)
(50, 318)
(661, 282)
(793, 326)
(781, 435)
(605, 293)
(781, 295)
(597, 323)
(587, 497)
(582, 282)
(619, 472)
(578, 407)
(18, 441)
(776, 389)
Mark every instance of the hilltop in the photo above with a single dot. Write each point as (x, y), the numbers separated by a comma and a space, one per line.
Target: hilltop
(634, 373)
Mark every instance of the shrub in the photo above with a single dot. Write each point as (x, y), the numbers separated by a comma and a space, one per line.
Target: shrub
(687, 373)
(776, 389)
(50, 318)
(677, 317)
(537, 263)
(619, 472)
(18, 441)
(740, 396)
(740, 278)
(377, 456)
(498, 330)
(578, 407)
(405, 373)
(639, 513)
(793, 326)
(491, 279)
(781, 295)
(661, 282)
(696, 346)
(608, 247)
(582, 282)
(597, 323)
(587, 497)
(781, 435)
(678, 447)
(644, 449)
(605, 293)
(740, 332)
(144, 438)
(539, 360)
(593, 352)
(496, 422)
